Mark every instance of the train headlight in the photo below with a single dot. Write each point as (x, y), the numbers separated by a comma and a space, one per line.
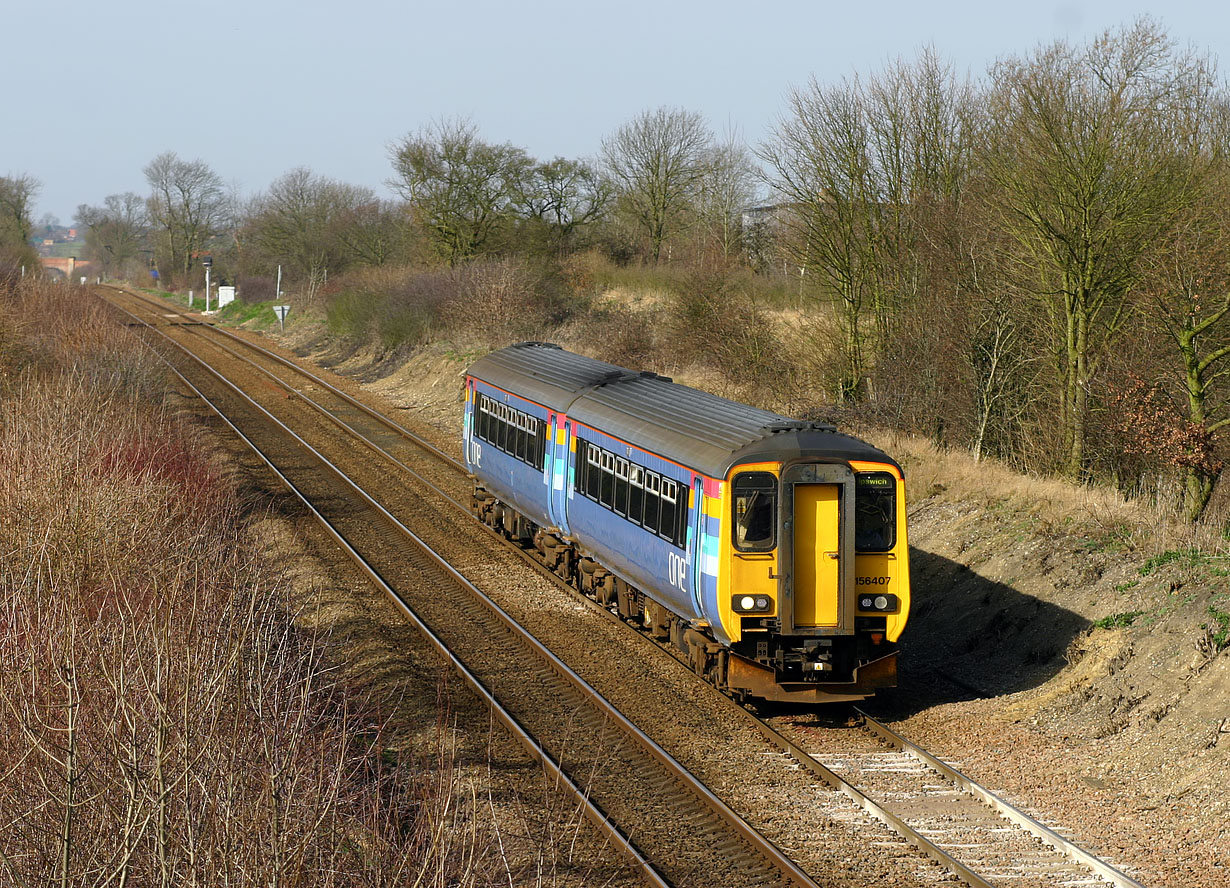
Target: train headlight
(877, 603)
(751, 604)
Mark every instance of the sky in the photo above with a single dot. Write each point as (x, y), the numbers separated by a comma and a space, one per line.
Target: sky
(256, 88)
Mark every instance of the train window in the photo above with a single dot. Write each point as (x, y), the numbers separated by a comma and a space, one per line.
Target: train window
(595, 473)
(516, 433)
(755, 512)
(607, 493)
(641, 496)
(636, 494)
(621, 486)
(653, 487)
(500, 429)
(668, 514)
(875, 512)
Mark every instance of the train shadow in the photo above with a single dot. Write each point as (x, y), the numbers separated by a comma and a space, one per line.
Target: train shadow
(971, 637)
(968, 638)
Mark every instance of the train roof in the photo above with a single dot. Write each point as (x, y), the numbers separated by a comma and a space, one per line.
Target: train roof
(707, 433)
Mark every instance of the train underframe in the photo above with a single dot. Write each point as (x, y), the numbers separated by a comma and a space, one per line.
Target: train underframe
(768, 667)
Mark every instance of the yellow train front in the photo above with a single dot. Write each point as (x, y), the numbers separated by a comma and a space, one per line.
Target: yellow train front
(771, 551)
(813, 576)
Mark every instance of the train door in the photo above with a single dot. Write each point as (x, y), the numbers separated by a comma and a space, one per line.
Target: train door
(818, 550)
(817, 554)
(557, 479)
(471, 407)
(696, 522)
(550, 458)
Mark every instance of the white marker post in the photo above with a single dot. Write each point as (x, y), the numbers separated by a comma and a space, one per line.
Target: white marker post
(208, 262)
(280, 311)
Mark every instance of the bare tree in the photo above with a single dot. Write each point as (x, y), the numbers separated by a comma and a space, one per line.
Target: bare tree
(296, 224)
(116, 232)
(658, 161)
(565, 196)
(822, 166)
(374, 233)
(1188, 301)
(1088, 175)
(727, 189)
(17, 195)
(873, 176)
(460, 188)
(188, 206)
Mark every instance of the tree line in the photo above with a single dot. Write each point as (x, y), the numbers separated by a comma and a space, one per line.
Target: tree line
(1030, 264)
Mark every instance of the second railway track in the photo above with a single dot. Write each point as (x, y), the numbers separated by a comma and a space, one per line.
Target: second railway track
(829, 832)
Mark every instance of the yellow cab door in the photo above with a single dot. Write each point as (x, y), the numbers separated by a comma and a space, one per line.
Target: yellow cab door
(817, 554)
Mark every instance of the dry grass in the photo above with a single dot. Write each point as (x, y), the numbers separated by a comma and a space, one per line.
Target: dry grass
(163, 721)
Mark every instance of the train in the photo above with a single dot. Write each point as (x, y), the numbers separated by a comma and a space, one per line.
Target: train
(770, 552)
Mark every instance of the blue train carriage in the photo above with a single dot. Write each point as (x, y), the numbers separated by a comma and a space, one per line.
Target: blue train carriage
(772, 552)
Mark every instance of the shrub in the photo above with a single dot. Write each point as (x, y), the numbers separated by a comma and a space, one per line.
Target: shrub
(714, 320)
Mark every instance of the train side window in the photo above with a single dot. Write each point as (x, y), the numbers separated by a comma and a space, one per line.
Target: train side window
(636, 494)
(755, 512)
(594, 487)
(607, 495)
(679, 530)
(501, 433)
(621, 486)
(653, 487)
(669, 510)
(875, 512)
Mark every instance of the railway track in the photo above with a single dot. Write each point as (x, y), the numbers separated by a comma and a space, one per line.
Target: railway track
(666, 821)
(980, 837)
(866, 772)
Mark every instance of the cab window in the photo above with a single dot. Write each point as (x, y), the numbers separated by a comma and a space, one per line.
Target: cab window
(755, 512)
(875, 512)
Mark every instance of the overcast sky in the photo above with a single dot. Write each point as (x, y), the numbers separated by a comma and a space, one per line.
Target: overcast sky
(95, 90)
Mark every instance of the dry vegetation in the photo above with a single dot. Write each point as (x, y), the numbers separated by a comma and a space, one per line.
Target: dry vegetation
(163, 718)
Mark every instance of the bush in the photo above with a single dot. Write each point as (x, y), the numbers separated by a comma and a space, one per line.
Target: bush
(257, 288)
(714, 321)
